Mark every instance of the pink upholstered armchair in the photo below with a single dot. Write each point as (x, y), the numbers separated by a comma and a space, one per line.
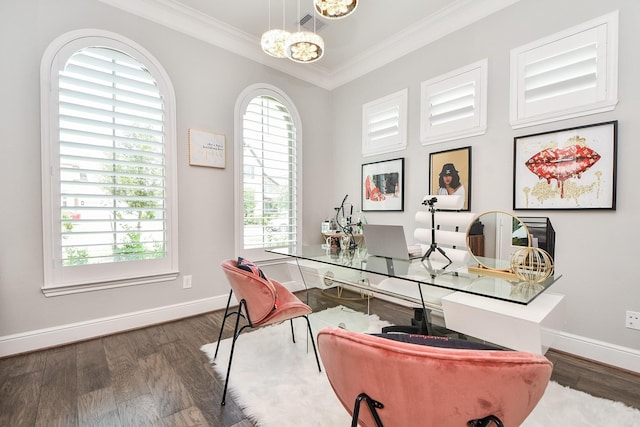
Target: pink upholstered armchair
(406, 384)
(262, 302)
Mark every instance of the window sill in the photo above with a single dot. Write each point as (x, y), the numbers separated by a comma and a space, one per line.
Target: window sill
(58, 290)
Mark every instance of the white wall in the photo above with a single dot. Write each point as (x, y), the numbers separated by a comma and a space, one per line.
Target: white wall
(596, 251)
(207, 82)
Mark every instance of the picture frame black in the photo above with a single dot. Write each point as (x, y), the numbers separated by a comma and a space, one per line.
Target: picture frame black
(456, 163)
(568, 169)
(382, 185)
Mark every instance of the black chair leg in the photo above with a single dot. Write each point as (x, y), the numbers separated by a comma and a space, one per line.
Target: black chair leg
(236, 334)
(233, 344)
(373, 406)
(313, 342)
(293, 335)
(224, 320)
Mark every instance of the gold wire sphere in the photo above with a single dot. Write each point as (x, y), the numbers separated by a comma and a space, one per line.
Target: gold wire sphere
(531, 265)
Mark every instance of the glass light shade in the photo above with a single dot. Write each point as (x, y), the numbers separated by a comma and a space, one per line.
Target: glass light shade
(274, 42)
(305, 46)
(335, 9)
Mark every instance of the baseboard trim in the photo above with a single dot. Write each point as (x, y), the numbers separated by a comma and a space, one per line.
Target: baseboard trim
(74, 332)
(599, 351)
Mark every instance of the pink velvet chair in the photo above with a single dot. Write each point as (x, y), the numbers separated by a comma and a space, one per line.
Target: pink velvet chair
(262, 302)
(406, 384)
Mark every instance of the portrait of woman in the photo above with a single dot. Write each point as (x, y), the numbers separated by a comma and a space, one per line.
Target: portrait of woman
(449, 181)
(450, 174)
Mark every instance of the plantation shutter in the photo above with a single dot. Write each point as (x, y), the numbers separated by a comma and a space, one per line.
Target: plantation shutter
(454, 105)
(112, 160)
(384, 123)
(269, 174)
(561, 76)
(565, 75)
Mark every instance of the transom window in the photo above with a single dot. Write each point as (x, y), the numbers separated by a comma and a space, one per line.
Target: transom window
(569, 74)
(384, 124)
(454, 105)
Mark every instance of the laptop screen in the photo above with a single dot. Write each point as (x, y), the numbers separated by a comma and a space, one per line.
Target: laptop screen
(386, 241)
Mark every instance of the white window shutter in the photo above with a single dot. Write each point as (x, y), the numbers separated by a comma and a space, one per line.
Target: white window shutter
(454, 105)
(108, 202)
(270, 176)
(569, 74)
(384, 124)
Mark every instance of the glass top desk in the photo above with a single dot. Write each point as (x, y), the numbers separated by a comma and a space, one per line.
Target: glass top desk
(427, 273)
(471, 304)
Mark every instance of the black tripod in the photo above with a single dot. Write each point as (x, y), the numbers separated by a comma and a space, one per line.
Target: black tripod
(434, 246)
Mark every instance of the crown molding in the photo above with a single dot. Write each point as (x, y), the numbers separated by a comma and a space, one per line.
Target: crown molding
(454, 17)
(175, 15)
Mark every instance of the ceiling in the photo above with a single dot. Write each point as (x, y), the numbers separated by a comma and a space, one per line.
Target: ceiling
(378, 32)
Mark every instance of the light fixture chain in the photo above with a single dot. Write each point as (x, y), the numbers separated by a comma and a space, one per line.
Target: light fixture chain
(284, 25)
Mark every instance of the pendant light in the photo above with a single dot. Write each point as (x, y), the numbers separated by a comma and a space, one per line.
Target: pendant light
(335, 9)
(304, 46)
(274, 41)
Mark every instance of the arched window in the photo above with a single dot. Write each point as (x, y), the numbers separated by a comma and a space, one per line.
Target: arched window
(268, 171)
(109, 165)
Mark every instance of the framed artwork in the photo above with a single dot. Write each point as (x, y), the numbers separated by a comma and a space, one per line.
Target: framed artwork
(450, 173)
(572, 168)
(383, 185)
(206, 149)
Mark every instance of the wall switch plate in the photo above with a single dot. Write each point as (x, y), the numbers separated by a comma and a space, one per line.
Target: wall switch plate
(186, 282)
(633, 320)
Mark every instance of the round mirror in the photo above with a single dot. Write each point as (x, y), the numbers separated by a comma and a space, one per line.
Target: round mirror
(494, 236)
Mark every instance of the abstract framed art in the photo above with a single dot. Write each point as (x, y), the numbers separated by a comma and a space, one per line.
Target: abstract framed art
(572, 168)
(383, 185)
(450, 173)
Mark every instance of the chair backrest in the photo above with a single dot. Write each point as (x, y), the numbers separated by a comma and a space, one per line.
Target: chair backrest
(430, 386)
(258, 293)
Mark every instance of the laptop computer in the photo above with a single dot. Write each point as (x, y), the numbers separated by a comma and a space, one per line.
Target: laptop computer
(387, 241)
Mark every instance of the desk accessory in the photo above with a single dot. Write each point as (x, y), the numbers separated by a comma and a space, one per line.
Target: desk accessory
(434, 245)
(445, 203)
(345, 222)
(507, 249)
(531, 265)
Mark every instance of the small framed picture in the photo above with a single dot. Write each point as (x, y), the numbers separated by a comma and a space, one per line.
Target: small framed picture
(450, 173)
(573, 168)
(206, 149)
(383, 185)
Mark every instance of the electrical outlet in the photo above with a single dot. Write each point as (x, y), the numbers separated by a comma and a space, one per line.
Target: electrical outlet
(633, 320)
(186, 282)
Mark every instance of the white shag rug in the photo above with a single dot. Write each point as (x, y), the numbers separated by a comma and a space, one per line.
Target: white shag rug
(277, 383)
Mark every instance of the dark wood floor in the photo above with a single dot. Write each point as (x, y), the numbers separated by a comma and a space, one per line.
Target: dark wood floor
(158, 376)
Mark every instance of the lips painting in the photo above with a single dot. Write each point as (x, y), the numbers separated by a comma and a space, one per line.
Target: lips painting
(562, 163)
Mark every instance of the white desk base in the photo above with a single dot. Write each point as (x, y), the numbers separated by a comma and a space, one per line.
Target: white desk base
(515, 326)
